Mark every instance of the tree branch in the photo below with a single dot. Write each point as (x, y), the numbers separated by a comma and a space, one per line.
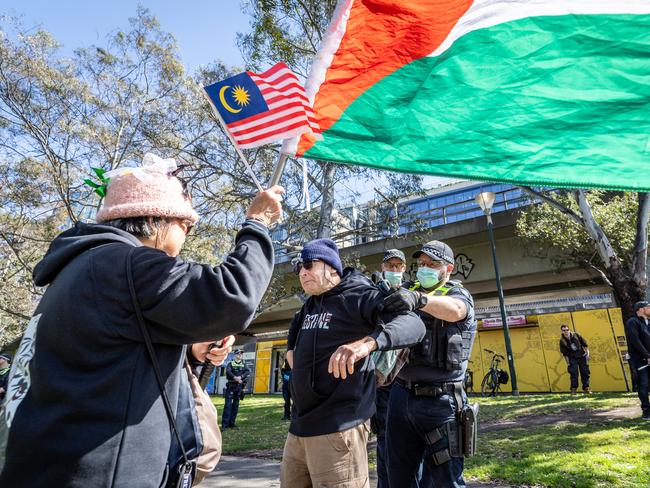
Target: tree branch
(566, 211)
(640, 253)
(595, 231)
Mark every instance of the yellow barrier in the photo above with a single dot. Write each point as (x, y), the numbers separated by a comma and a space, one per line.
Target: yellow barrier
(539, 364)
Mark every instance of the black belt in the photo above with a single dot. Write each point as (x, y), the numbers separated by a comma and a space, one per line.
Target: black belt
(430, 389)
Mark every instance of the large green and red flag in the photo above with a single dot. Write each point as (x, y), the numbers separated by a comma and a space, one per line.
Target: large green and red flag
(533, 92)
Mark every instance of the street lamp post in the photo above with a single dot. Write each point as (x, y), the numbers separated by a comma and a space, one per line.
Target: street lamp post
(485, 200)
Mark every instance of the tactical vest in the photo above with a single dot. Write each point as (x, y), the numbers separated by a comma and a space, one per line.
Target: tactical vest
(445, 345)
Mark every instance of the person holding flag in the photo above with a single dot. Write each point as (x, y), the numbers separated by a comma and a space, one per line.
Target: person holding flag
(84, 402)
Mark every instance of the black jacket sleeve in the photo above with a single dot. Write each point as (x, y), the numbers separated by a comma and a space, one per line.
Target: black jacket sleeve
(391, 331)
(230, 376)
(634, 343)
(564, 349)
(188, 302)
(294, 329)
(246, 373)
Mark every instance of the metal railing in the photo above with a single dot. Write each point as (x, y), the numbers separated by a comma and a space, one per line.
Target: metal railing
(388, 225)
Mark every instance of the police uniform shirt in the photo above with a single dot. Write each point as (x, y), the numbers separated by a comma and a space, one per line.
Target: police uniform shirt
(430, 374)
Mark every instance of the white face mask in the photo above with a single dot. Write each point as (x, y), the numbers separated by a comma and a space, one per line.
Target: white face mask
(394, 278)
(428, 277)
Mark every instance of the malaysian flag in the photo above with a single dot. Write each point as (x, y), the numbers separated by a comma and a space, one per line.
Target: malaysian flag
(257, 109)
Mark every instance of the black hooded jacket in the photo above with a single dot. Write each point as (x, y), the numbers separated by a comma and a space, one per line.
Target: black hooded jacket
(348, 312)
(84, 408)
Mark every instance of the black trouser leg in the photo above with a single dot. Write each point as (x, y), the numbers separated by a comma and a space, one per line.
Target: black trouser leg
(583, 364)
(573, 371)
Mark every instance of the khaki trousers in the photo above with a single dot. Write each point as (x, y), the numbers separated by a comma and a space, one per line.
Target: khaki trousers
(338, 460)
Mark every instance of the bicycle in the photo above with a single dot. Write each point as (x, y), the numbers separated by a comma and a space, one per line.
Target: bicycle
(495, 377)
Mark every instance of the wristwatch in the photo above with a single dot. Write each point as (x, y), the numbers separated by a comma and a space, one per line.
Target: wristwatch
(422, 300)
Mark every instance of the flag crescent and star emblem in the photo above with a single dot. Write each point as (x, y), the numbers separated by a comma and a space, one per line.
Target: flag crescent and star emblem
(223, 101)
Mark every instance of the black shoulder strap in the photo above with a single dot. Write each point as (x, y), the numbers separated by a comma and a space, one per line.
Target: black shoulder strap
(152, 355)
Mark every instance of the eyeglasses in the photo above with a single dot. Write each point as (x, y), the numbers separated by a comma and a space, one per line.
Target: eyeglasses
(299, 264)
(431, 264)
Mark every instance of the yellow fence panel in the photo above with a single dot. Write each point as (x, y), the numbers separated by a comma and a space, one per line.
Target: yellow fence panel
(493, 340)
(476, 365)
(556, 367)
(263, 367)
(605, 365)
(616, 319)
(527, 354)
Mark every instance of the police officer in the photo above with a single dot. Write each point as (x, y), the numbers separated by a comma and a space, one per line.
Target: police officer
(427, 398)
(393, 267)
(237, 374)
(637, 333)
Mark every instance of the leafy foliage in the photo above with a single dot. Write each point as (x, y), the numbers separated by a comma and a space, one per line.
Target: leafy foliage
(601, 230)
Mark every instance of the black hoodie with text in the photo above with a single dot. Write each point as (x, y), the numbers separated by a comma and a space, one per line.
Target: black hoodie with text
(348, 312)
(83, 408)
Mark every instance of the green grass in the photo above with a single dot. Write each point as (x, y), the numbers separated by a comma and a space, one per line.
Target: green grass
(598, 454)
(260, 425)
(508, 407)
(567, 454)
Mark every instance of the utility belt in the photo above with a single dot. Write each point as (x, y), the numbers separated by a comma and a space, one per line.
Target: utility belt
(431, 389)
(461, 432)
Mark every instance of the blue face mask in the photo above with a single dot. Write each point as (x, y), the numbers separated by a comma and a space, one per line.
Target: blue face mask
(428, 277)
(394, 278)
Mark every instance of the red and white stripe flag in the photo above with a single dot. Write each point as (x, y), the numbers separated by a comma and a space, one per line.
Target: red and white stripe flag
(260, 108)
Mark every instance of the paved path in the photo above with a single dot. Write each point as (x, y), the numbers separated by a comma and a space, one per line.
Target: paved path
(246, 472)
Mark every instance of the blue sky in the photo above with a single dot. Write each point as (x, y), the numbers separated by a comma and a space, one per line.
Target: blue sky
(205, 30)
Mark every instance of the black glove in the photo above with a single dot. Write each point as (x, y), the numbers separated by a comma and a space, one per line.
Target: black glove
(404, 300)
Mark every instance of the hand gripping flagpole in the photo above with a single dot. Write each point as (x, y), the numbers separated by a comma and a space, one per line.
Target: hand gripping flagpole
(232, 140)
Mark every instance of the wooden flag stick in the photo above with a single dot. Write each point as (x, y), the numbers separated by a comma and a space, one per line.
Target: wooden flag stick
(232, 140)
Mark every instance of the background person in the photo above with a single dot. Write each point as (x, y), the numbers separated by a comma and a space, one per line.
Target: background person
(637, 333)
(393, 267)
(237, 374)
(428, 394)
(87, 409)
(576, 353)
(332, 379)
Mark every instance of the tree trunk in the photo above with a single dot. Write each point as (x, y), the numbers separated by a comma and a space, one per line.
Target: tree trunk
(626, 290)
(327, 203)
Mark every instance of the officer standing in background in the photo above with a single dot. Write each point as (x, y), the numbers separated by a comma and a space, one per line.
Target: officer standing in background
(576, 353)
(237, 374)
(393, 267)
(427, 399)
(637, 333)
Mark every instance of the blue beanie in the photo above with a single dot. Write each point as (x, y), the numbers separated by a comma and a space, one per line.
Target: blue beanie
(324, 250)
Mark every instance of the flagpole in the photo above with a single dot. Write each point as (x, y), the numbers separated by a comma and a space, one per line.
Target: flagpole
(279, 168)
(232, 140)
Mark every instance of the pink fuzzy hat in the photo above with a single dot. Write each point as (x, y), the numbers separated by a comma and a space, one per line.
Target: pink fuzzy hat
(147, 191)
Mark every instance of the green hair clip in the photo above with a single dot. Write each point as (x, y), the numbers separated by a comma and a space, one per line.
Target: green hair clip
(100, 188)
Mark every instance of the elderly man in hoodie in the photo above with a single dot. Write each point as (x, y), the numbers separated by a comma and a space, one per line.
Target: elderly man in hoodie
(333, 381)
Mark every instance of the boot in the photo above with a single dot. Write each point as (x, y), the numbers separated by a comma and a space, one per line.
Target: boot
(574, 391)
(587, 391)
